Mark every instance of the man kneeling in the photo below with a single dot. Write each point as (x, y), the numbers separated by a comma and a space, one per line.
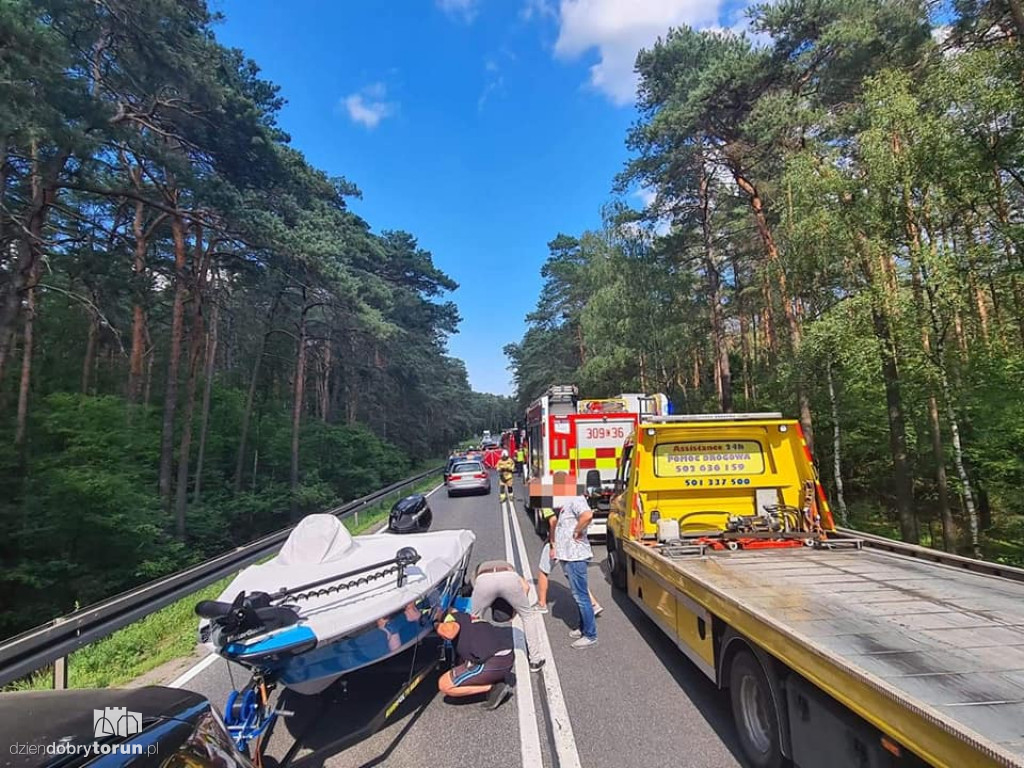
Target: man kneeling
(485, 657)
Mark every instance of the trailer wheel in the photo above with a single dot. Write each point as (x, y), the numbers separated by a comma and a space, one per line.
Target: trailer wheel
(616, 562)
(753, 710)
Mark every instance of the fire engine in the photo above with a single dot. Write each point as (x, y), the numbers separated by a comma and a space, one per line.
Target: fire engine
(582, 438)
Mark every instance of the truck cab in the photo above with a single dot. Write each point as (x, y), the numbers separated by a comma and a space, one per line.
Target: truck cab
(719, 479)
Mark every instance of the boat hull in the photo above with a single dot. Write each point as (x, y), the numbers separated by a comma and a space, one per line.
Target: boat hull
(300, 661)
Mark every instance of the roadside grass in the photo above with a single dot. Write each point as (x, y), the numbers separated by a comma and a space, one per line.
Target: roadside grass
(170, 633)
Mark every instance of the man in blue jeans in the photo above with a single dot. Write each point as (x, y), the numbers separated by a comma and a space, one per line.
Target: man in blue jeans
(572, 549)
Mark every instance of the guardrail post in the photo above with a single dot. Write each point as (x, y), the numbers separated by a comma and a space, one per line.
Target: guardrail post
(60, 668)
(60, 674)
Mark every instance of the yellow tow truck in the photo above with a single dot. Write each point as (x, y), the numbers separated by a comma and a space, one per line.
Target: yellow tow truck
(836, 649)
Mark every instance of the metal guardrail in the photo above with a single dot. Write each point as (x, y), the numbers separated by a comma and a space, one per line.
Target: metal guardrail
(934, 555)
(53, 641)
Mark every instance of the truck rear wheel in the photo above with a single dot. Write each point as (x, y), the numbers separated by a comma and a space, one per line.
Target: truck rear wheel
(616, 562)
(753, 710)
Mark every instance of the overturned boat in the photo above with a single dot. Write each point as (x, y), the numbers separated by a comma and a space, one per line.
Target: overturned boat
(330, 603)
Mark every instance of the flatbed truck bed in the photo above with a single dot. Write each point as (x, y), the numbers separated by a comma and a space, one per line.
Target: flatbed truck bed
(928, 653)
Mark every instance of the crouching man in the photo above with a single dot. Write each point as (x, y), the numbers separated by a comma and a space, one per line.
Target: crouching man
(497, 585)
(485, 654)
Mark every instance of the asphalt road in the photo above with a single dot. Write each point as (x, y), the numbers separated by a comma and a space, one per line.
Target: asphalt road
(633, 700)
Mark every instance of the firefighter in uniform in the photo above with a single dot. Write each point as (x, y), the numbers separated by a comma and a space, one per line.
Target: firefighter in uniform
(520, 461)
(506, 473)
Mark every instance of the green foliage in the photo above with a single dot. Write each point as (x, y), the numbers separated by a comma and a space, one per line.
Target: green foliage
(219, 344)
(833, 230)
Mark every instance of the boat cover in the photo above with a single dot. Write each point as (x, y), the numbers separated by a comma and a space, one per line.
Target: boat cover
(321, 546)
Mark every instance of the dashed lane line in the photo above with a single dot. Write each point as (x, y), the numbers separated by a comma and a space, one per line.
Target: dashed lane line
(529, 733)
(561, 726)
(192, 672)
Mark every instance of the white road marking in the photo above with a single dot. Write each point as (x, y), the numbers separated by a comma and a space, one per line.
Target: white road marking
(193, 671)
(207, 661)
(561, 725)
(529, 733)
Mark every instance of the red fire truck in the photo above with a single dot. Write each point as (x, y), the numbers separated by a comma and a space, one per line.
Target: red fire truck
(582, 438)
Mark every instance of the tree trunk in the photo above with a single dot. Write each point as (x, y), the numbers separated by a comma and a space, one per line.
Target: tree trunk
(961, 469)
(904, 485)
(793, 323)
(250, 398)
(1017, 12)
(581, 344)
(352, 404)
(837, 452)
(28, 248)
(1003, 215)
(211, 356)
(173, 360)
(768, 319)
(135, 372)
(187, 418)
(741, 312)
(723, 377)
(951, 415)
(89, 362)
(941, 482)
(325, 381)
(147, 384)
(28, 343)
(195, 346)
(299, 391)
(5, 351)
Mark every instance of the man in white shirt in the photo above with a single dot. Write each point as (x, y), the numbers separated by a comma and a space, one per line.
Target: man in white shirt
(572, 549)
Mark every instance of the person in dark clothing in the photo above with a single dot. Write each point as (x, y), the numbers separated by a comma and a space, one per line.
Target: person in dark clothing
(485, 657)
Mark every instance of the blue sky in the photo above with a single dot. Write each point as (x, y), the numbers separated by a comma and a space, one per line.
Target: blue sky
(483, 127)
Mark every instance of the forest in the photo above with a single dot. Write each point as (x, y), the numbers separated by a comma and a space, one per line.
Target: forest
(199, 340)
(832, 228)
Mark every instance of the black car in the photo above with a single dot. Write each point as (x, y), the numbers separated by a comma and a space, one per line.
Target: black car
(143, 727)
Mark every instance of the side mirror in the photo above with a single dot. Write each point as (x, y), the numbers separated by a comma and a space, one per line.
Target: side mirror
(593, 480)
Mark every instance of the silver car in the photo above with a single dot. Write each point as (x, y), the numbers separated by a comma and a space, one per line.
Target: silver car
(469, 477)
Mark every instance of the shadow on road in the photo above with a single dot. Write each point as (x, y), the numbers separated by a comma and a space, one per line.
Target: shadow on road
(326, 725)
(711, 703)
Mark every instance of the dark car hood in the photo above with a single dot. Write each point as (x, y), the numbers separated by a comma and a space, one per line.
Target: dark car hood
(42, 717)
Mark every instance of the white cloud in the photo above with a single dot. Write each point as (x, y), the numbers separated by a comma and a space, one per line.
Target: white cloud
(495, 81)
(368, 106)
(466, 9)
(647, 196)
(538, 9)
(618, 29)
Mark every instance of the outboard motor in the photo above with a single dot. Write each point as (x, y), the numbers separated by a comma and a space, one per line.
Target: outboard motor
(410, 515)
